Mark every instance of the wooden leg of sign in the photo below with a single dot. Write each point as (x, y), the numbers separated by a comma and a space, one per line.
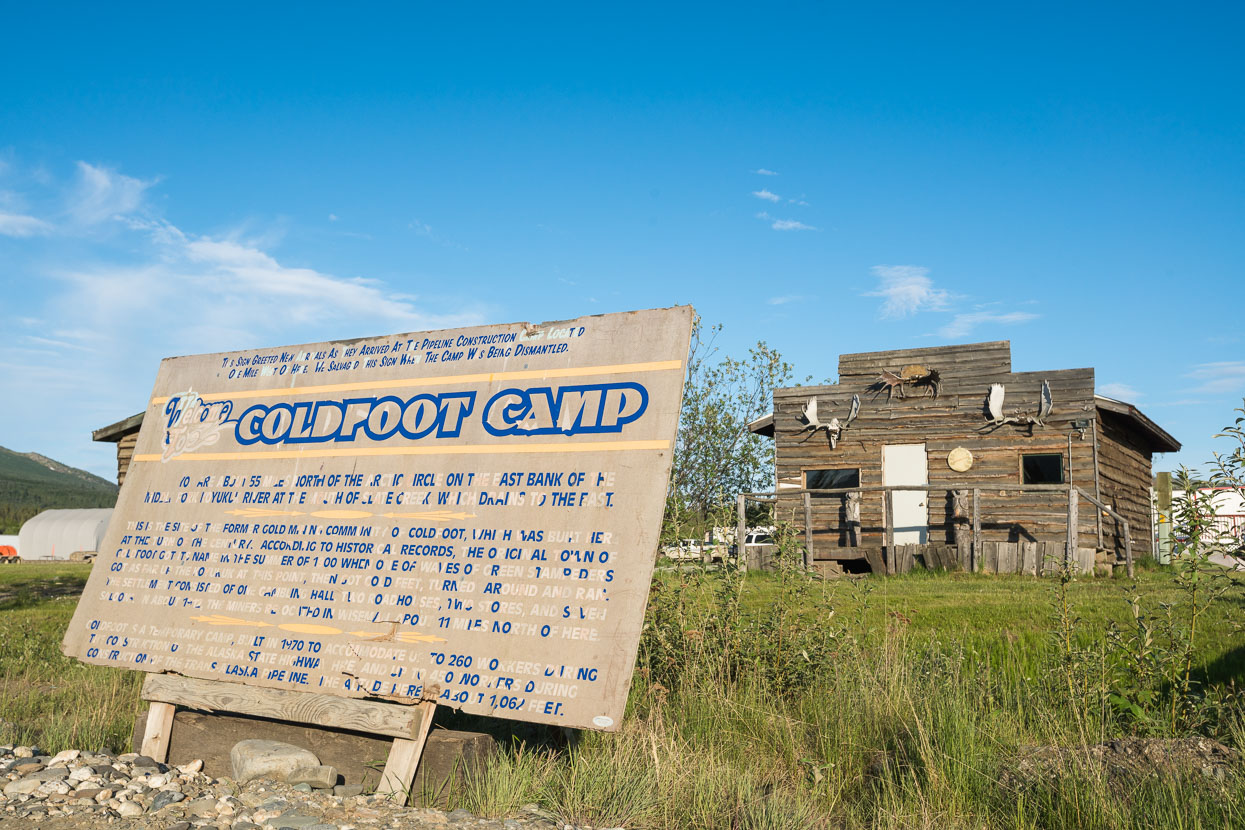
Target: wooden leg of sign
(159, 729)
(399, 774)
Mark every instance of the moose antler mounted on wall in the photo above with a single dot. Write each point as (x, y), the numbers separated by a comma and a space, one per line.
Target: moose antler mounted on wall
(996, 417)
(813, 423)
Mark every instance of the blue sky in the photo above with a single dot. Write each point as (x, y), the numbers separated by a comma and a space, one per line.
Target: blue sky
(828, 178)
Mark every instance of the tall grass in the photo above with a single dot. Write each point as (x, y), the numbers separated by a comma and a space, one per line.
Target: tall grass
(778, 701)
(48, 699)
(764, 706)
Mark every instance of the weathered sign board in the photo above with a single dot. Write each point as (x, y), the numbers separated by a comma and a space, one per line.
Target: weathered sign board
(468, 516)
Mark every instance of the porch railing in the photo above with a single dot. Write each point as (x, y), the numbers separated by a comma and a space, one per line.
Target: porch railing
(1075, 494)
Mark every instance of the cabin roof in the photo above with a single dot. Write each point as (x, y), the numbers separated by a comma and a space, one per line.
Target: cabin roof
(763, 425)
(115, 432)
(1160, 440)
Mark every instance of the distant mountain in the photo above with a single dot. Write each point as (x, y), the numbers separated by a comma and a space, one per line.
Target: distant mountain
(31, 483)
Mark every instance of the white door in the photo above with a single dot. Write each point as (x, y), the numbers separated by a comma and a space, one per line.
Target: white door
(907, 464)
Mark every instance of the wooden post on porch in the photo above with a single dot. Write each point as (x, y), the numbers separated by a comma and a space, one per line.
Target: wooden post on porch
(888, 526)
(1128, 549)
(851, 505)
(959, 528)
(978, 559)
(808, 531)
(1069, 555)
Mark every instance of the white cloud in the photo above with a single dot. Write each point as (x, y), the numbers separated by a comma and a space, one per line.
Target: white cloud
(102, 194)
(791, 225)
(1222, 376)
(766, 195)
(231, 284)
(96, 316)
(761, 171)
(784, 224)
(907, 289)
(799, 202)
(789, 298)
(963, 324)
(19, 225)
(332, 217)
(1119, 391)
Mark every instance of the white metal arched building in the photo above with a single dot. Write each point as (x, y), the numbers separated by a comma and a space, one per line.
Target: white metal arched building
(58, 534)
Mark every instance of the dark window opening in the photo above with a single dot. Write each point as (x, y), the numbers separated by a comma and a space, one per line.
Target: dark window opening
(831, 479)
(1042, 469)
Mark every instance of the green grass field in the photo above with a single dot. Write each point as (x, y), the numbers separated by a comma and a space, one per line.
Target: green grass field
(772, 701)
(45, 697)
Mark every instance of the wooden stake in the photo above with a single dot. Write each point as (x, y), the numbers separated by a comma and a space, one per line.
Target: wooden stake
(404, 755)
(159, 729)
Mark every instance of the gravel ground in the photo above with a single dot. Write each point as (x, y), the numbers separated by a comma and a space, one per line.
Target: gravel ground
(84, 791)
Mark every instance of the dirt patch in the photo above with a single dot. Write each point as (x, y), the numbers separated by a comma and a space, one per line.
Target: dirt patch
(1126, 758)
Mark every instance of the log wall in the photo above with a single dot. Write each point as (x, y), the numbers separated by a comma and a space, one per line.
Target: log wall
(1123, 461)
(125, 451)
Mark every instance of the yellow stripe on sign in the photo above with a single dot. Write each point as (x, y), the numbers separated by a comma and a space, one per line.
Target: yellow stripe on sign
(478, 377)
(464, 449)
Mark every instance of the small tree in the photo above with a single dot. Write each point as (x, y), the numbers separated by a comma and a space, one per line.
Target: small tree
(716, 457)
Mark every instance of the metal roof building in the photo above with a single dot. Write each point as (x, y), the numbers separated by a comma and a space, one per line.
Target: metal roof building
(57, 534)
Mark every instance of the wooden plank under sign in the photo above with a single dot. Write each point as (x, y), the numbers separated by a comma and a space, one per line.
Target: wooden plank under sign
(159, 730)
(404, 755)
(375, 717)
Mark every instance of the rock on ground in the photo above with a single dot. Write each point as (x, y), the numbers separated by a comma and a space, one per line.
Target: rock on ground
(259, 758)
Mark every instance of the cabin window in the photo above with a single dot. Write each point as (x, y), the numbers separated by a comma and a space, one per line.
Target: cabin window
(831, 479)
(1046, 468)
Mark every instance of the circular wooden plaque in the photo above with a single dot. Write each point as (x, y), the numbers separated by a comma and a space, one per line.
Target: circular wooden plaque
(960, 460)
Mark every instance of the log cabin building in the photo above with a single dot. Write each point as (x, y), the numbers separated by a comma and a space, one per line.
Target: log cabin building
(957, 419)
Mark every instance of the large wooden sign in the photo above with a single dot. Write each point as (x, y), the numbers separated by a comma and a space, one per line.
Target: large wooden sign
(466, 516)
